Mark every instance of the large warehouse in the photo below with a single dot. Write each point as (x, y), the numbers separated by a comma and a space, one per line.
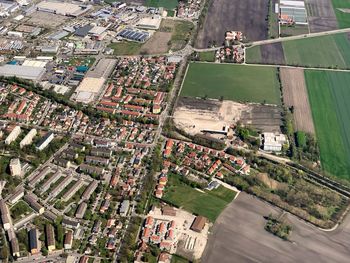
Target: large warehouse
(293, 12)
(92, 84)
(62, 8)
(24, 72)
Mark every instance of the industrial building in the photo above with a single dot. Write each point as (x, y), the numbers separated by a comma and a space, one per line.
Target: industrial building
(28, 139)
(31, 200)
(292, 12)
(5, 215)
(15, 167)
(24, 72)
(94, 80)
(50, 237)
(13, 134)
(34, 243)
(63, 8)
(134, 35)
(45, 141)
(273, 142)
(149, 23)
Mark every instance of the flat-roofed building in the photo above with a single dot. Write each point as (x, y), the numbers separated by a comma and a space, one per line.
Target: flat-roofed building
(23, 72)
(34, 242)
(15, 167)
(81, 210)
(28, 139)
(50, 238)
(124, 207)
(13, 134)
(44, 142)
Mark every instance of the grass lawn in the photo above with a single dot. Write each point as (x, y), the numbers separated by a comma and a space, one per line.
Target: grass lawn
(126, 48)
(253, 55)
(331, 51)
(167, 4)
(233, 82)
(209, 204)
(207, 56)
(19, 209)
(78, 61)
(343, 18)
(273, 21)
(329, 96)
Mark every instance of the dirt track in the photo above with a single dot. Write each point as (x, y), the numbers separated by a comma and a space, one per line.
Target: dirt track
(239, 236)
(321, 15)
(248, 16)
(295, 94)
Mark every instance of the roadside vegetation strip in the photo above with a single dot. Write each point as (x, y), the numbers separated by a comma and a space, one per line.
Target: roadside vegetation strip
(329, 95)
(208, 203)
(232, 82)
(342, 12)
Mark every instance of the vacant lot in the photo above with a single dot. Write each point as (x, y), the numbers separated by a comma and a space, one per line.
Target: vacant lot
(329, 96)
(180, 32)
(266, 118)
(239, 234)
(232, 82)
(126, 48)
(325, 51)
(208, 204)
(248, 16)
(158, 44)
(321, 15)
(46, 19)
(295, 95)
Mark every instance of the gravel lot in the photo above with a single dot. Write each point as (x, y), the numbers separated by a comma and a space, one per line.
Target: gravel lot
(248, 16)
(239, 236)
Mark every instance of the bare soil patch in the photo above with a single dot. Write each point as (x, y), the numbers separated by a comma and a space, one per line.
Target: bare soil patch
(248, 16)
(46, 19)
(295, 94)
(272, 53)
(266, 118)
(321, 15)
(158, 44)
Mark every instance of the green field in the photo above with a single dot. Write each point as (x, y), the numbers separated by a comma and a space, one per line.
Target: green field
(126, 48)
(232, 82)
(209, 204)
(208, 56)
(167, 4)
(343, 18)
(332, 51)
(329, 96)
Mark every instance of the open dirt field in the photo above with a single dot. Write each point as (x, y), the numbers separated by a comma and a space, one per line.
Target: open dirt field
(295, 94)
(262, 117)
(321, 15)
(194, 115)
(248, 16)
(158, 44)
(239, 236)
(45, 19)
(272, 53)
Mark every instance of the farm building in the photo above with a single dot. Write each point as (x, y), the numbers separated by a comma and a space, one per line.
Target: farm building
(293, 12)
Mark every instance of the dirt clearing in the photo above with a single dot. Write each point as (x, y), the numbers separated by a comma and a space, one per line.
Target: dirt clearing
(321, 15)
(158, 44)
(248, 16)
(295, 94)
(195, 115)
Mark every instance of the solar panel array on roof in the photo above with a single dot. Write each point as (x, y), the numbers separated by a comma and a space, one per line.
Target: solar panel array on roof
(140, 36)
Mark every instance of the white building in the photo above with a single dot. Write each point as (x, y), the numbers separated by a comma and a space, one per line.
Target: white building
(28, 139)
(15, 167)
(44, 142)
(13, 135)
(273, 142)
